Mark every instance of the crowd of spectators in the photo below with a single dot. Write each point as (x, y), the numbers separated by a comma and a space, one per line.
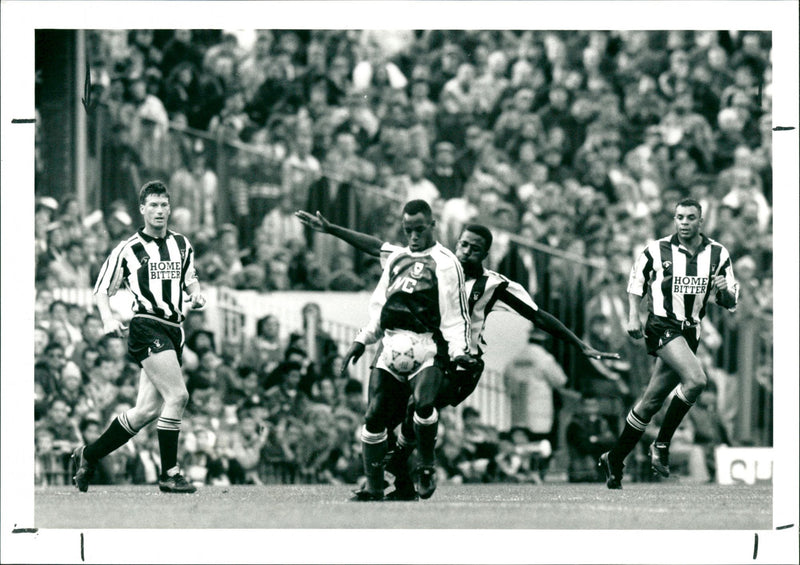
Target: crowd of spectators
(581, 141)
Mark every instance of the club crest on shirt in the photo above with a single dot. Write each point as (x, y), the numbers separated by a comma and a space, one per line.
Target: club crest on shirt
(666, 265)
(157, 343)
(416, 270)
(476, 295)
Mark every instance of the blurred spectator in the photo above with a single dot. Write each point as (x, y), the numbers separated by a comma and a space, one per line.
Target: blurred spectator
(179, 49)
(479, 448)
(47, 370)
(49, 466)
(200, 460)
(66, 436)
(314, 340)
(588, 436)
(247, 441)
(266, 349)
(285, 399)
(194, 187)
(520, 458)
(532, 379)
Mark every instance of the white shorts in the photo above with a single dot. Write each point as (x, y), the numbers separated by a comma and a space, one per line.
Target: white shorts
(405, 354)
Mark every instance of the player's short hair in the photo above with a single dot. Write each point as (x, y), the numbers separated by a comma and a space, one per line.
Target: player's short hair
(153, 187)
(482, 232)
(418, 207)
(690, 203)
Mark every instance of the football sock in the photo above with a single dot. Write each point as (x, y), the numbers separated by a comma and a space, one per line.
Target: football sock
(168, 430)
(630, 436)
(374, 446)
(115, 436)
(676, 410)
(425, 430)
(399, 460)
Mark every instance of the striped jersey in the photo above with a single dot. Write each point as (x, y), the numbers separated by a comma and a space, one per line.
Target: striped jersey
(490, 292)
(421, 292)
(679, 282)
(155, 270)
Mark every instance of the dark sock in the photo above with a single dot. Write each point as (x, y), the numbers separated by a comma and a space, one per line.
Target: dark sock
(113, 438)
(676, 410)
(374, 447)
(168, 431)
(630, 436)
(398, 461)
(426, 431)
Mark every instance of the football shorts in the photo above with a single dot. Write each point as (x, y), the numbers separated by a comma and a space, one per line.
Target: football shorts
(149, 335)
(659, 331)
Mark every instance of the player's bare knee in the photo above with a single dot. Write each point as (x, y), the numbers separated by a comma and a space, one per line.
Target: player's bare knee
(177, 399)
(695, 384)
(144, 416)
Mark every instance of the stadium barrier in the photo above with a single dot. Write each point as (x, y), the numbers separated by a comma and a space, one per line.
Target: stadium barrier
(747, 465)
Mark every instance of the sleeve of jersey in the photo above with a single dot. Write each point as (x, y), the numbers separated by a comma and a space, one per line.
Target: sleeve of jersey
(110, 276)
(190, 273)
(638, 276)
(730, 299)
(453, 307)
(386, 250)
(372, 332)
(517, 291)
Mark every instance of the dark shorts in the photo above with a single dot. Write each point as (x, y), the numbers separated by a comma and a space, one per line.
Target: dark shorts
(660, 331)
(148, 336)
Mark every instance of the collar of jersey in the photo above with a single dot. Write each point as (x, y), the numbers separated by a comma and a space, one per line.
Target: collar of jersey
(147, 237)
(423, 252)
(677, 242)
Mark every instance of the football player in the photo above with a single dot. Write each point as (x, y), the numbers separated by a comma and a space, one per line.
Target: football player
(420, 295)
(486, 291)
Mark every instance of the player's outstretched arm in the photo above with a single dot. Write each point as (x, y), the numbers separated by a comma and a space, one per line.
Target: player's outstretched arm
(552, 325)
(363, 242)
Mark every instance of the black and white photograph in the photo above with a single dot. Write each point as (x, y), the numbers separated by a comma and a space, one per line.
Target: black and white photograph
(400, 282)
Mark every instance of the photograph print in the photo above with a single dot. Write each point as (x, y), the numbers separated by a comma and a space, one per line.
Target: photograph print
(297, 275)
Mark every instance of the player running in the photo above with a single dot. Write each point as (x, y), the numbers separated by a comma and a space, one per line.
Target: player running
(419, 300)
(681, 272)
(157, 266)
(487, 292)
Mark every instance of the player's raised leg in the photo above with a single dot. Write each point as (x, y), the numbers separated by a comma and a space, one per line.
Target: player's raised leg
(122, 428)
(164, 372)
(661, 384)
(681, 358)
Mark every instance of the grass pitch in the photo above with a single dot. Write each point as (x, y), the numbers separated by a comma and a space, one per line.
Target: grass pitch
(639, 506)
